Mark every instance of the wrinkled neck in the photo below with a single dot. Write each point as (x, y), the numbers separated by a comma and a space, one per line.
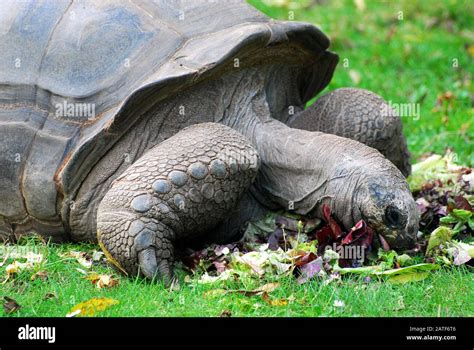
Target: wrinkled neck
(302, 170)
(299, 170)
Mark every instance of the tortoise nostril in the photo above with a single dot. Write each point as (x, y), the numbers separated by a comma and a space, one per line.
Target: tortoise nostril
(394, 217)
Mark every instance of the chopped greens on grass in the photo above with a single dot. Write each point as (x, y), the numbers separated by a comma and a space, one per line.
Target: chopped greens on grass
(290, 245)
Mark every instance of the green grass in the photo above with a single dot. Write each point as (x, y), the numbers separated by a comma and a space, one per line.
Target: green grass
(444, 293)
(404, 61)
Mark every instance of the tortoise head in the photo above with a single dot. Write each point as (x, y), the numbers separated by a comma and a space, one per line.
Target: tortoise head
(387, 205)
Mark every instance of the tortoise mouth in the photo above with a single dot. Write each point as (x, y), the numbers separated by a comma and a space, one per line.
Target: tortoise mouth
(388, 238)
(394, 240)
(383, 242)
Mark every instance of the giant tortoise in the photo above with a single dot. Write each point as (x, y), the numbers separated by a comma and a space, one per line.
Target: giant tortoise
(147, 124)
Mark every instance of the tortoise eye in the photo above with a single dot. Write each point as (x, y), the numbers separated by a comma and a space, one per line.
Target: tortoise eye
(394, 217)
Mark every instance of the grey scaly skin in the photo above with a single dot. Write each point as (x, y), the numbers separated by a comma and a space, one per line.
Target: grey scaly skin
(182, 187)
(300, 170)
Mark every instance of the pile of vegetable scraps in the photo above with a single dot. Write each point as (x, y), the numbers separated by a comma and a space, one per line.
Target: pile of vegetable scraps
(285, 244)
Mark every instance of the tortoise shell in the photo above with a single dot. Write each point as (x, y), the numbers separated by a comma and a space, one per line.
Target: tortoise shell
(74, 73)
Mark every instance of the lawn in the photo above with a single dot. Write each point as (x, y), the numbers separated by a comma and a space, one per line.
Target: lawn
(408, 52)
(444, 293)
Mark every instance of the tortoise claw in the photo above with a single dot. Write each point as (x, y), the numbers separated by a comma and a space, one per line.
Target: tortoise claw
(165, 273)
(147, 262)
(152, 269)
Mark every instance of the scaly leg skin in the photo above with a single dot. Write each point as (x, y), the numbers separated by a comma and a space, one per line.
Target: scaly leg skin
(179, 190)
(359, 115)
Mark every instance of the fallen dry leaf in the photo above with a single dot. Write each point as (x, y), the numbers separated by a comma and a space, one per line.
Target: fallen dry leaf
(13, 268)
(10, 305)
(91, 307)
(355, 76)
(33, 257)
(50, 295)
(274, 302)
(16, 267)
(81, 257)
(41, 275)
(225, 313)
(97, 255)
(265, 289)
(84, 262)
(102, 281)
(214, 293)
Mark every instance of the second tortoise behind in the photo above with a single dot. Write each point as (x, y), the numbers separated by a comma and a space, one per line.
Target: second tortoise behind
(188, 139)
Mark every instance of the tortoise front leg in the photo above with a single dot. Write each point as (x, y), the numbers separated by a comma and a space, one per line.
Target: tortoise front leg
(178, 191)
(359, 115)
